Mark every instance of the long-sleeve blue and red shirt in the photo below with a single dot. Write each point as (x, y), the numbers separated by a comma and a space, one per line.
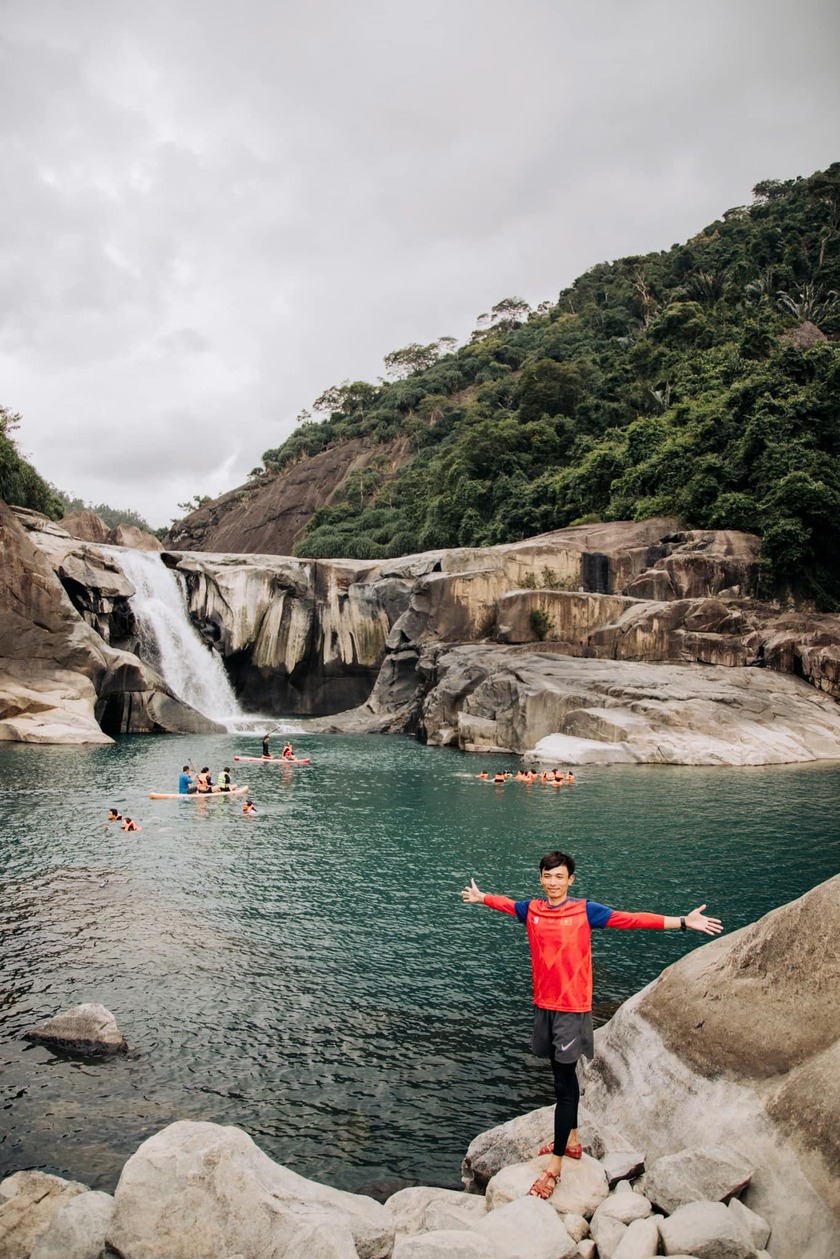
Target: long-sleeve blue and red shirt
(561, 945)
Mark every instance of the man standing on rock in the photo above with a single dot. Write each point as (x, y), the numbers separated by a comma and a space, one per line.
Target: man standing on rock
(559, 934)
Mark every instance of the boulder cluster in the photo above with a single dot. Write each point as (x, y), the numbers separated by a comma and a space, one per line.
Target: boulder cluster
(202, 1190)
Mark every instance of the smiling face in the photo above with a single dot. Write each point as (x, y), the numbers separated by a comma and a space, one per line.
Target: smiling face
(556, 884)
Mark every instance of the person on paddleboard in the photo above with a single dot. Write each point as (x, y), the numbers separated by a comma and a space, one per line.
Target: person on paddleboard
(560, 937)
(224, 779)
(266, 751)
(186, 786)
(288, 753)
(203, 782)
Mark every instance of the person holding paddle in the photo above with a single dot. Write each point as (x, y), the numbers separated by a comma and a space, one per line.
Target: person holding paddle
(559, 934)
(266, 752)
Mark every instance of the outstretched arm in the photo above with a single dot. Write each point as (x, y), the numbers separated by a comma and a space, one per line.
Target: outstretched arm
(696, 921)
(472, 894)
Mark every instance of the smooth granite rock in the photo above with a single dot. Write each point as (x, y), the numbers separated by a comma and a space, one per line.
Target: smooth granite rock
(29, 1202)
(236, 1199)
(708, 1230)
(582, 1187)
(78, 1229)
(701, 1173)
(527, 1229)
(737, 1045)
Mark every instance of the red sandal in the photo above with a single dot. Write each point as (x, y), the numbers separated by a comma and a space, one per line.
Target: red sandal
(571, 1151)
(544, 1186)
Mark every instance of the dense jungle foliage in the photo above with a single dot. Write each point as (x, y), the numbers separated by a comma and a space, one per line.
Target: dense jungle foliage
(662, 384)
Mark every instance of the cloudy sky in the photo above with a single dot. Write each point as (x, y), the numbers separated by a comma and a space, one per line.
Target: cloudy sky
(213, 210)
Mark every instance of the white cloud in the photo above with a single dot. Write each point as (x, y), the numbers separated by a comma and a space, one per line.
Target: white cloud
(215, 210)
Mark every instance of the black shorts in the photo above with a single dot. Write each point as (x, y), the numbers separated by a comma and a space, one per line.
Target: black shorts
(570, 1035)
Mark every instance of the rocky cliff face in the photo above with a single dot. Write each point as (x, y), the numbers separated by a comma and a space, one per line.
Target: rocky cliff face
(269, 515)
(509, 646)
(60, 679)
(739, 1044)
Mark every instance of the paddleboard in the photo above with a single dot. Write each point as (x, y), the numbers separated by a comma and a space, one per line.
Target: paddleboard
(276, 760)
(197, 795)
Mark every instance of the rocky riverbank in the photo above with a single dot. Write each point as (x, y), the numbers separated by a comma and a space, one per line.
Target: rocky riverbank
(711, 1128)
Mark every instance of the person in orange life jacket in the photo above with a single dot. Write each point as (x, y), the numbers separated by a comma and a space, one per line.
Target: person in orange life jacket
(129, 824)
(559, 934)
(203, 781)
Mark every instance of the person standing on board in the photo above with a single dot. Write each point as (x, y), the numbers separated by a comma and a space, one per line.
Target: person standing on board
(559, 934)
(266, 752)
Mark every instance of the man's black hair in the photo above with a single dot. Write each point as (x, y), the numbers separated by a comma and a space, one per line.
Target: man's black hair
(185, 770)
(552, 860)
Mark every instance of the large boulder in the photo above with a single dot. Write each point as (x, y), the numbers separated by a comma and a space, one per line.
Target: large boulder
(132, 536)
(85, 525)
(29, 1201)
(77, 1230)
(737, 1045)
(202, 1189)
(580, 1191)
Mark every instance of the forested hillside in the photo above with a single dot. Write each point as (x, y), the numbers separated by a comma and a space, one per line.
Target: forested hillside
(703, 381)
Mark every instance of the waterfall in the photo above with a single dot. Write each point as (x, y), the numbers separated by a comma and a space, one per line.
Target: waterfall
(170, 642)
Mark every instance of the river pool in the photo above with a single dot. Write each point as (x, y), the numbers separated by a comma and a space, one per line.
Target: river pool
(311, 974)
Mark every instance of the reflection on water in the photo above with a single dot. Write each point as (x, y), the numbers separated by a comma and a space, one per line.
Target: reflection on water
(311, 974)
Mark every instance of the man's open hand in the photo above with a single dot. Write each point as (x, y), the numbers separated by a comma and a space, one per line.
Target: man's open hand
(472, 894)
(697, 921)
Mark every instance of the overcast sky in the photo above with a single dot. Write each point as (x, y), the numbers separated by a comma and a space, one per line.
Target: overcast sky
(213, 210)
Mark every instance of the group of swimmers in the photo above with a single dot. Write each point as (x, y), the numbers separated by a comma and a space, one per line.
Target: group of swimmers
(128, 824)
(554, 777)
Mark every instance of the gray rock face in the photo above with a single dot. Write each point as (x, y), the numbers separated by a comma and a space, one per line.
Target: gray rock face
(85, 1029)
(425, 1208)
(709, 1231)
(582, 1188)
(445, 1244)
(403, 645)
(58, 678)
(712, 1174)
(527, 1229)
(572, 711)
(77, 1230)
(607, 1233)
(238, 1202)
(85, 525)
(641, 1241)
(514, 1141)
(626, 1207)
(738, 1045)
(29, 1202)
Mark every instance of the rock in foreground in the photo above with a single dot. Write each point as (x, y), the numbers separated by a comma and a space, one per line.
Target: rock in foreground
(201, 1189)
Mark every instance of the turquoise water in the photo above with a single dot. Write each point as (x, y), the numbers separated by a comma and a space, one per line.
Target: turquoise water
(311, 974)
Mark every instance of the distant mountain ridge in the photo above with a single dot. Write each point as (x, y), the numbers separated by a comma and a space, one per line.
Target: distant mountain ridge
(701, 382)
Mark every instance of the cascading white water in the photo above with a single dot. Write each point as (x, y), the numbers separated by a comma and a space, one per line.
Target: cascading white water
(169, 640)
